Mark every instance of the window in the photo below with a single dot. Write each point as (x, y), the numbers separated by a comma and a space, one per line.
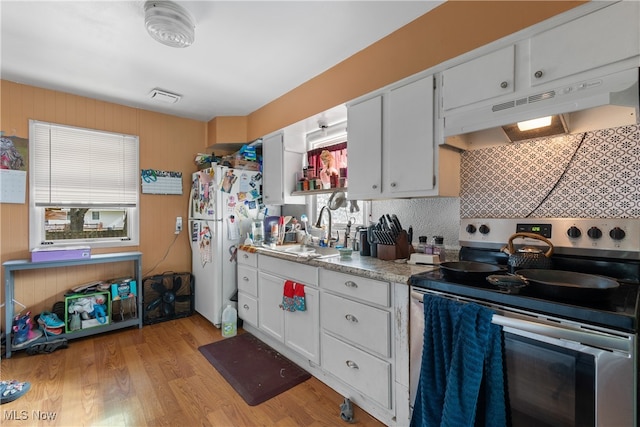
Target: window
(83, 187)
(333, 140)
(356, 211)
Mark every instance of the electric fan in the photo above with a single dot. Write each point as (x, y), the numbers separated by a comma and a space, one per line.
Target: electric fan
(168, 296)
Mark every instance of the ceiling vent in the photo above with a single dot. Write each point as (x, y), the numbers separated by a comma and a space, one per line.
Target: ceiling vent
(164, 96)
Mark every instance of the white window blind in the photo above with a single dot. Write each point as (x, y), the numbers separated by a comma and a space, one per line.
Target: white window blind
(82, 167)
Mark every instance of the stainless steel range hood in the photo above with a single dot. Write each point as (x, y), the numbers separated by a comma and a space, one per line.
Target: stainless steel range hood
(587, 103)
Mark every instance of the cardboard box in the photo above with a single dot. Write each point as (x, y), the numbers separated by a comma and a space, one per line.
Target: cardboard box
(237, 162)
(60, 254)
(123, 289)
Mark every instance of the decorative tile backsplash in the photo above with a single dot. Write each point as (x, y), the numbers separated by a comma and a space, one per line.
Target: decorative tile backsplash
(560, 177)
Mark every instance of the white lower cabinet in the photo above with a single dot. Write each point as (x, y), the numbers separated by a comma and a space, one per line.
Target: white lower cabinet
(298, 330)
(364, 342)
(247, 279)
(353, 335)
(358, 323)
(362, 371)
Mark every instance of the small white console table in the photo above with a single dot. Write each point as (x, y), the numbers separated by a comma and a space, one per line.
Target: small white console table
(10, 267)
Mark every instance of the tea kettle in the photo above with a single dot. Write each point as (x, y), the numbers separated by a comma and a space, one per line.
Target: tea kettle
(528, 256)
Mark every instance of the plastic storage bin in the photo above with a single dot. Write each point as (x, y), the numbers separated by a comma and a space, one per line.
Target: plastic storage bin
(83, 311)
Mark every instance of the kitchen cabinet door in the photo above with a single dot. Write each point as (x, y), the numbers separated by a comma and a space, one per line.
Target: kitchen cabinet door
(365, 149)
(279, 166)
(298, 330)
(600, 38)
(302, 328)
(479, 79)
(391, 143)
(408, 147)
(270, 315)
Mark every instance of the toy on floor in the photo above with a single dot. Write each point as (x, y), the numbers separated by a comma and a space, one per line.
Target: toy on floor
(93, 306)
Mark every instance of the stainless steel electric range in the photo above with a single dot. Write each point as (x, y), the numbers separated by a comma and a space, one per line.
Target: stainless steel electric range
(570, 361)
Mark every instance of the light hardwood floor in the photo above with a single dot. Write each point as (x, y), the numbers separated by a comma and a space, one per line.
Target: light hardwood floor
(154, 376)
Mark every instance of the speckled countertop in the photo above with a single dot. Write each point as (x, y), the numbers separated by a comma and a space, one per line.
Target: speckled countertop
(397, 271)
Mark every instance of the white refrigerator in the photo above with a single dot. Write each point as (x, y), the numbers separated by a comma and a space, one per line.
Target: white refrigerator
(222, 203)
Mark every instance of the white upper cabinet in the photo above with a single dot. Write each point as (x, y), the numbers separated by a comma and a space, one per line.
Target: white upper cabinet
(604, 37)
(408, 149)
(391, 143)
(365, 149)
(279, 166)
(482, 78)
(600, 38)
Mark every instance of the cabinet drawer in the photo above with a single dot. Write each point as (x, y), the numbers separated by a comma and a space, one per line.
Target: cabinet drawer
(368, 290)
(367, 326)
(247, 258)
(248, 309)
(305, 274)
(248, 280)
(366, 373)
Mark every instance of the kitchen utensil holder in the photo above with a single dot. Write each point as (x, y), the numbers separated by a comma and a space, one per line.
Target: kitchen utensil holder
(398, 251)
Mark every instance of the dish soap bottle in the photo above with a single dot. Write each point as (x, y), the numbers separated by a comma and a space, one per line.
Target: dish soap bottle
(229, 322)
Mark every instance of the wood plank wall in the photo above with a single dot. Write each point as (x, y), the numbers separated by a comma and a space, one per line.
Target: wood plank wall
(166, 143)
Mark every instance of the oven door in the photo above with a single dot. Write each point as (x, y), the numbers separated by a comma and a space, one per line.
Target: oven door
(559, 373)
(586, 378)
(549, 385)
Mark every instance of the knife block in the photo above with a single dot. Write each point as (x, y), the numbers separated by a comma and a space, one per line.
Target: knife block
(398, 251)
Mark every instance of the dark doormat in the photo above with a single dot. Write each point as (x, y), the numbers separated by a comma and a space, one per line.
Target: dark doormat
(255, 370)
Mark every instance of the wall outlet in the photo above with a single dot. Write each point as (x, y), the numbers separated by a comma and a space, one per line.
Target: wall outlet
(178, 224)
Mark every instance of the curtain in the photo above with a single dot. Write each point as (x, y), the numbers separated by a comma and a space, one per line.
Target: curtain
(338, 151)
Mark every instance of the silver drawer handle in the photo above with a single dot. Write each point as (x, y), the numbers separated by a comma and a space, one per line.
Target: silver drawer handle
(245, 278)
(351, 318)
(245, 256)
(350, 284)
(246, 307)
(352, 364)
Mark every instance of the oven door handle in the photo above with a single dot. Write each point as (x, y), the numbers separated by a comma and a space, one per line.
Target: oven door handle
(590, 338)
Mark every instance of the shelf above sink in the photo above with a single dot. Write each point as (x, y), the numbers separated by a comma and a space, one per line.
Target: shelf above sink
(320, 191)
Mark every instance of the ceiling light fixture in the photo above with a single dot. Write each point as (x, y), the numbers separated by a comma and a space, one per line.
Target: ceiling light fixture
(169, 23)
(327, 135)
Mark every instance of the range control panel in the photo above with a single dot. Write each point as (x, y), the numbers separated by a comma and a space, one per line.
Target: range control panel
(566, 234)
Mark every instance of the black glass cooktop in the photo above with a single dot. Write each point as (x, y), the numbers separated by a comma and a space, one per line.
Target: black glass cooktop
(619, 310)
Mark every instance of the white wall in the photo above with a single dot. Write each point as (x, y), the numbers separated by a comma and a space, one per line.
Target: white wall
(430, 216)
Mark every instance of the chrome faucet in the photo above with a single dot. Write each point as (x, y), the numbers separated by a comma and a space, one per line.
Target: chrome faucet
(318, 223)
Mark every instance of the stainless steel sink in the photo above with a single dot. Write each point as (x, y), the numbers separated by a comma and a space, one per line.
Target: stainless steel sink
(307, 250)
(297, 249)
